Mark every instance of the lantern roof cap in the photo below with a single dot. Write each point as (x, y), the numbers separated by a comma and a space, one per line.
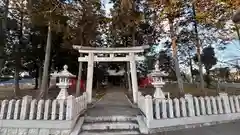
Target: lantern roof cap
(63, 73)
(157, 72)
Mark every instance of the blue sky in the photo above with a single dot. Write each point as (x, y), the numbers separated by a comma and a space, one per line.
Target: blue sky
(232, 52)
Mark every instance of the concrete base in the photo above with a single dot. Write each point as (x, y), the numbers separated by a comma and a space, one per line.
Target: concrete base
(77, 129)
(142, 126)
(193, 120)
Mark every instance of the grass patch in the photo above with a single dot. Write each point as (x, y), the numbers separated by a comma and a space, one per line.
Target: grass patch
(99, 93)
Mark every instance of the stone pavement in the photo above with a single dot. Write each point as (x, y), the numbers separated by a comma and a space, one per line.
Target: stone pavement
(232, 128)
(114, 103)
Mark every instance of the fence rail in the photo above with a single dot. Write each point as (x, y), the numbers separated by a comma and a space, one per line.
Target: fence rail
(188, 106)
(40, 117)
(32, 109)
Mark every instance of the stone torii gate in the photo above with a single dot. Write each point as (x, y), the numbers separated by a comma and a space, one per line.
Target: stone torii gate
(93, 57)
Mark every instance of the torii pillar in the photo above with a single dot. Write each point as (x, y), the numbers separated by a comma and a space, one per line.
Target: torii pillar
(133, 76)
(90, 77)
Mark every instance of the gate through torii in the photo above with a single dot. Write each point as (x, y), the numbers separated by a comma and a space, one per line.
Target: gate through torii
(91, 58)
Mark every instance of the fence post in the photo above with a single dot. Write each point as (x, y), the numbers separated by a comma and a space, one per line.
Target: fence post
(33, 110)
(10, 112)
(197, 107)
(176, 107)
(54, 110)
(208, 105)
(226, 104)
(164, 108)
(62, 110)
(219, 105)
(47, 110)
(214, 105)
(232, 105)
(190, 105)
(85, 100)
(138, 97)
(237, 103)
(70, 108)
(40, 109)
(4, 107)
(170, 108)
(25, 107)
(149, 109)
(202, 106)
(17, 110)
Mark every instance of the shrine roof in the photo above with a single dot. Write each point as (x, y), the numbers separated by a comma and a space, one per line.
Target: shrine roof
(87, 49)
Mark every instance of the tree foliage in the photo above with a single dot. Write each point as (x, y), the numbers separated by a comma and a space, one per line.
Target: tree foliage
(165, 24)
(221, 73)
(209, 60)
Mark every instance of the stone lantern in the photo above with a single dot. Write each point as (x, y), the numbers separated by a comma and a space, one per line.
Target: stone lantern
(64, 82)
(158, 82)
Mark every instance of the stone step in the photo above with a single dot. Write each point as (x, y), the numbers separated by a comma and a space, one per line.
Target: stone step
(110, 118)
(110, 126)
(111, 132)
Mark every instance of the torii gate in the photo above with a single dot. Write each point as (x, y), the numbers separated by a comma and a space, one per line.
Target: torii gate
(91, 58)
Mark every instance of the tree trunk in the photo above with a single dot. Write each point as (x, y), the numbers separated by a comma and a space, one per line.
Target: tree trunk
(44, 84)
(208, 81)
(49, 71)
(79, 78)
(191, 69)
(174, 48)
(16, 80)
(238, 32)
(3, 32)
(78, 89)
(36, 77)
(236, 16)
(40, 73)
(198, 50)
(18, 58)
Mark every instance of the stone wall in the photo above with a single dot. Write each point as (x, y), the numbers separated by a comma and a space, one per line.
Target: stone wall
(40, 117)
(229, 85)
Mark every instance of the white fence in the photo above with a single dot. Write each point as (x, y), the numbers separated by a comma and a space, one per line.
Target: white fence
(188, 110)
(31, 114)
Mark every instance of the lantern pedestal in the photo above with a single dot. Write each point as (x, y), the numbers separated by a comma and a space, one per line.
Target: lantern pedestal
(158, 90)
(63, 94)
